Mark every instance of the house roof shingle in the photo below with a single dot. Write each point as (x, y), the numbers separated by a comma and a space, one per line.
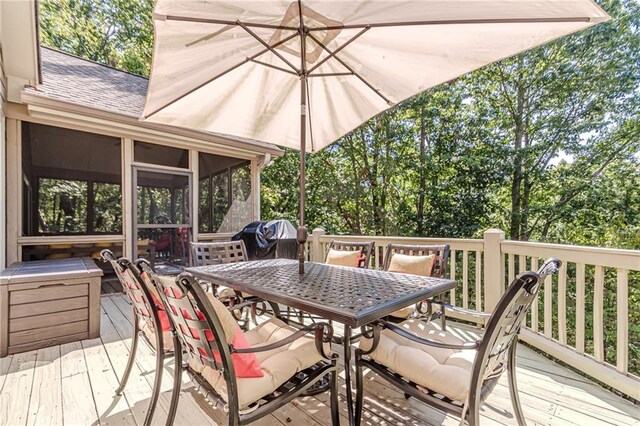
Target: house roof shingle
(72, 79)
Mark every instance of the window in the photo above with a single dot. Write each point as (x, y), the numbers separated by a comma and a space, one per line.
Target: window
(161, 155)
(71, 182)
(225, 203)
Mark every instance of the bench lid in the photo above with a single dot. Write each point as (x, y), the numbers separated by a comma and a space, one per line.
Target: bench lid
(73, 267)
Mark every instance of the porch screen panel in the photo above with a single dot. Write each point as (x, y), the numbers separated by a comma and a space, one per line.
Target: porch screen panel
(71, 182)
(225, 201)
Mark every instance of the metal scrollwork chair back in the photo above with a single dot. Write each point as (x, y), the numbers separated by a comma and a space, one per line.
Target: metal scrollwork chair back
(218, 252)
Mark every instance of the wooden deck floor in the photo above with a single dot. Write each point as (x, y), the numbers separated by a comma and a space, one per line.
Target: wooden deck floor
(73, 384)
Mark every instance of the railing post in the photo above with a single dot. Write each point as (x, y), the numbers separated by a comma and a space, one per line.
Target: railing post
(493, 268)
(316, 248)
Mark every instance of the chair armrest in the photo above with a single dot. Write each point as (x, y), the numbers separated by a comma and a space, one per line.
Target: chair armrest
(320, 339)
(406, 334)
(239, 306)
(458, 309)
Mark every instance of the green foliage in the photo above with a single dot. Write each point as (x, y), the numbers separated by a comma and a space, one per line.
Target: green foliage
(62, 206)
(118, 33)
(544, 145)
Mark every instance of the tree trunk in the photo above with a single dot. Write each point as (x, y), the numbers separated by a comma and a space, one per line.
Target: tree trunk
(423, 180)
(518, 170)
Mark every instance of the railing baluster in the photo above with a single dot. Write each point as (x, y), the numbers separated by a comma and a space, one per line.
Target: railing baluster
(522, 263)
(465, 279)
(598, 313)
(452, 262)
(534, 305)
(562, 303)
(512, 267)
(580, 307)
(548, 307)
(478, 281)
(622, 332)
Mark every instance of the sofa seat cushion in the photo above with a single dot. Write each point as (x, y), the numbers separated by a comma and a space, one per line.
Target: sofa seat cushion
(445, 371)
(278, 365)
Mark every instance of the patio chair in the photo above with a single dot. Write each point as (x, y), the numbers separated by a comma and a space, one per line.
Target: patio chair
(343, 253)
(148, 316)
(443, 370)
(222, 252)
(213, 253)
(252, 373)
(340, 253)
(427, 260)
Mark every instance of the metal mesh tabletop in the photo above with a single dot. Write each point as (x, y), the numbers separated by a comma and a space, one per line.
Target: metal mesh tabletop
(352, 296)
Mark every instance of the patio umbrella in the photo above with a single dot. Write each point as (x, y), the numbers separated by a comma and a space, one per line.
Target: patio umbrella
(301, 74)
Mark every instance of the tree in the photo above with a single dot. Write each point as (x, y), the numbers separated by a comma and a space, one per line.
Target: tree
(565, 98)
(118, 33)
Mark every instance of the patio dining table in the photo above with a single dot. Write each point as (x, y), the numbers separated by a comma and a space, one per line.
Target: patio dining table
(353, 297)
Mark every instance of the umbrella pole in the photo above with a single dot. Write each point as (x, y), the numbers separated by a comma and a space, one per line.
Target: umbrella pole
(302, 230)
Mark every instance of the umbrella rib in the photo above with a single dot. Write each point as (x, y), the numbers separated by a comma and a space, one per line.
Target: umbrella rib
(217, 76)
(210, 36)
(330, 74)
(369, 85)
(345, 44)
(267, 46)
(309, 115)
(453, 22)
(220, 22)
(274, 67)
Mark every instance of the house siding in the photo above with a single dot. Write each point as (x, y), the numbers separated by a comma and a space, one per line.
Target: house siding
(3, 144)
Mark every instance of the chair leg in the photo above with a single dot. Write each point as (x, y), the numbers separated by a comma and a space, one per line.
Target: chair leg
(359, 392)
(132, 356)
(177, 381)
(443, 313)
(335, 409)
(157, 383)
(513, 386)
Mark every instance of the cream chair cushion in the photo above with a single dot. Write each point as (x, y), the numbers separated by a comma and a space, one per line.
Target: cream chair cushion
(278, 365)
(167, 336)
(409, 264)
(227, 292)
(343, 258)
(445, 371)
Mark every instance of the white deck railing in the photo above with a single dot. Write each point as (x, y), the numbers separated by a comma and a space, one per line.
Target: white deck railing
(568, 304)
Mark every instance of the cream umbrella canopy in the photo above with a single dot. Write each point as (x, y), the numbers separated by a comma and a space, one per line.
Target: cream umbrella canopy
(301, 74)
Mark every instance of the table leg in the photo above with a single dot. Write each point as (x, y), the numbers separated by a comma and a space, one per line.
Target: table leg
(346, 344)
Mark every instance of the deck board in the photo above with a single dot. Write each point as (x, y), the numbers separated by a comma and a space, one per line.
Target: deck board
(74, 384)
(78, 404)
(45, 406)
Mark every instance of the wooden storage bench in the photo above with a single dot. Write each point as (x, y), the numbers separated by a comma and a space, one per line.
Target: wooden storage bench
(48, 302)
